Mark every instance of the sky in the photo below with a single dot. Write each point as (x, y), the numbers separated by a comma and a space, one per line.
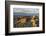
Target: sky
(25, 10)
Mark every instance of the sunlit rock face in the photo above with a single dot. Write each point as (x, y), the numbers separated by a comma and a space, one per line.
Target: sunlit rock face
(26, 17)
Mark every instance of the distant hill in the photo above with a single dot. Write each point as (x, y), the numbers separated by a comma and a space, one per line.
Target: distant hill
(26, 14)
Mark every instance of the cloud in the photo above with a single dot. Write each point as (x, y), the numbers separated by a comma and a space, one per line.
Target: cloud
(26, 10)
